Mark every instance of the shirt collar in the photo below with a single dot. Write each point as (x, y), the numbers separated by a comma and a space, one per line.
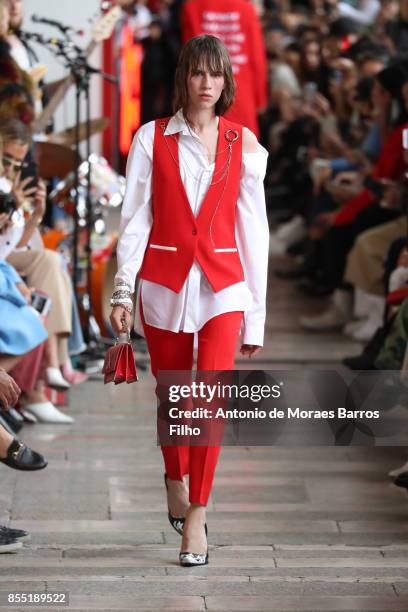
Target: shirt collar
(177, 124)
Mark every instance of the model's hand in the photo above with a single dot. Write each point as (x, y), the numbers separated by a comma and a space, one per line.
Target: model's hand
(120, 319)
(250, 349)
(9, 390)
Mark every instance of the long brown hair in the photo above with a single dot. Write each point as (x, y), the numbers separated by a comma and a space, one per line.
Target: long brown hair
(208, 51)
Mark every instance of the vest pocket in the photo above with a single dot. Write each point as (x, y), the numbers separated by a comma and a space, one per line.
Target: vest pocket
(232, 250)
(162, 247)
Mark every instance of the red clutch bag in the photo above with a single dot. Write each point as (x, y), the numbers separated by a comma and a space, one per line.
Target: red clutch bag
(119, 365)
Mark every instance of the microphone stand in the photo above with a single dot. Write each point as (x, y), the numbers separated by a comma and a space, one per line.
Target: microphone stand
(81, 72)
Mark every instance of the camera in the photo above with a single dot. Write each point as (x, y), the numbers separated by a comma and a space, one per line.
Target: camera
(7, 203)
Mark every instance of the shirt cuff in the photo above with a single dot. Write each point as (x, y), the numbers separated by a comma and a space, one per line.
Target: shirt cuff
(252, 331)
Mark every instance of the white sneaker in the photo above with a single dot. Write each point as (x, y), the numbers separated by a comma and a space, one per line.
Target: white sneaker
(375, 305)
(55, 379)
(353, 326)
(330, 319)
(361, 303)
(366, 331)
(395, 473)
(46, 412)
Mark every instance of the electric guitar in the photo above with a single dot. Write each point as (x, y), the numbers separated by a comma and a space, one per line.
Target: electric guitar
(101, 30)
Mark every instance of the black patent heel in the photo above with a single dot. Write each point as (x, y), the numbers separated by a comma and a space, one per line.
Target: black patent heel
(176, 522)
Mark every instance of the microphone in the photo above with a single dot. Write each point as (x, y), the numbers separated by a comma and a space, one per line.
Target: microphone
(56, 24)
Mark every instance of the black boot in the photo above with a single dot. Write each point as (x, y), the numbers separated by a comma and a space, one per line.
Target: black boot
(16, 534)
(366, 360)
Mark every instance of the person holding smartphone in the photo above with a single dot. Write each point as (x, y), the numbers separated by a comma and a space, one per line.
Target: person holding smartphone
(21, 245)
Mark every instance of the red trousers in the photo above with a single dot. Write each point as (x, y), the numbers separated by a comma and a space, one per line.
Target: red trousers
(217, 343)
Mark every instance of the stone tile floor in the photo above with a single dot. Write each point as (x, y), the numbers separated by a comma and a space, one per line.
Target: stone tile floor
(304, 529)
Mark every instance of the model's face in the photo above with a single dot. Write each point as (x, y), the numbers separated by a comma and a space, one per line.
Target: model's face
(16, 13)
(204, 87)
(13, 156)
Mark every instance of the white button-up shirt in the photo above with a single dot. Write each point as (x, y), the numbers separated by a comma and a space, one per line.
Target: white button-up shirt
(196, 303)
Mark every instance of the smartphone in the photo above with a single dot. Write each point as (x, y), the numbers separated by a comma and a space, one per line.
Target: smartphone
(30, 170)
(41, 302)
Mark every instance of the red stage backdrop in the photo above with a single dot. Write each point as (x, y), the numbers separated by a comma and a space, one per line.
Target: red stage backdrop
(122, 57)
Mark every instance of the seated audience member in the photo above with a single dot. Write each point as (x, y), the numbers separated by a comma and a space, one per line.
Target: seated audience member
(374, 205)
(17, 455)
(21, 245)
(21, 331)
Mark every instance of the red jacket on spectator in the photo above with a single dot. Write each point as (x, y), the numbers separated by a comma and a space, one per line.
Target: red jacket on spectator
(390, 165)
(236, 23)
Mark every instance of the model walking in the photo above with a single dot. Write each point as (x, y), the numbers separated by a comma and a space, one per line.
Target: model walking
(194, 228)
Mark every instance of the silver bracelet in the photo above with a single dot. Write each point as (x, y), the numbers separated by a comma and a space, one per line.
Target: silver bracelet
(121, 294)
(126, 307)
(120, 300)
(123, 284)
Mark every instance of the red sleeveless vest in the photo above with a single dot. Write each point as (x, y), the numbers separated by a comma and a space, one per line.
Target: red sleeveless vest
(178, 237)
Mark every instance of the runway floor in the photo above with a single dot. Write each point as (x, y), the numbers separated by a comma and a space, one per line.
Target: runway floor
(316, 529)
